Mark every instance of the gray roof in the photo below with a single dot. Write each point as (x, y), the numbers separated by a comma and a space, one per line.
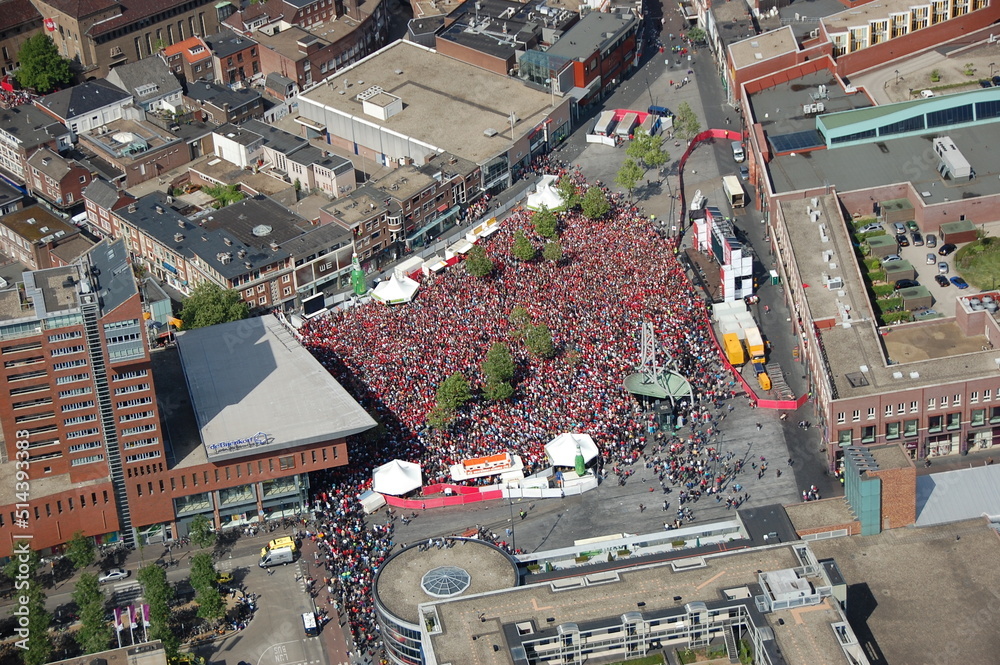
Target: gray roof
(238, 375)
(275, 81)
(9, 194)
(246, 220)
(84, 98)
(952, 496)
(313, 155)
(593, 33)
(275, 139)
(50, 163)
(324, 238)
(102, 193)
(217, 95)
(143, 72)
(227, 42)
(113, 279)
(30, 125)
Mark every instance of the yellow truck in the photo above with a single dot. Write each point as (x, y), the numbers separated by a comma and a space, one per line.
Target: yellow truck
(762, 378)
(278, 543)
(755, 345)
(734, 349)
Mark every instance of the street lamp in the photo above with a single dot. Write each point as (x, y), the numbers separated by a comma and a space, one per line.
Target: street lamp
(897, 76)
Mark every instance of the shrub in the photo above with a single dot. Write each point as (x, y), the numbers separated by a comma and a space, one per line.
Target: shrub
(935, 75)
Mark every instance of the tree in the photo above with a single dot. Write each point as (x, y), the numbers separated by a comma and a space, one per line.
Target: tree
(477, 263)
(158, 592)
(647, 149)
(696, 35)
(628, 175)
(595, 203)
(210, 304)
(552, 251)
(210, 604)
(201, 532)
(42, 68)
(202, 571)
(454, 392)
(224, 194)
(539, 341)
(499, 370)
(686, 124)
(519, 320)
(523, 250)
(80, 550)
(567, 190)
(498, 391)
(545, 223)
(439, 417)
(95, 632)
(34, 561)
(39, 642)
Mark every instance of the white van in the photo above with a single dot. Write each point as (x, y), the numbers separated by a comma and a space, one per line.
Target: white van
(277, 557)
(309, 624)
(738, 153)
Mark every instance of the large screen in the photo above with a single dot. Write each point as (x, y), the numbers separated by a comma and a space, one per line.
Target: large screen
(313, 304)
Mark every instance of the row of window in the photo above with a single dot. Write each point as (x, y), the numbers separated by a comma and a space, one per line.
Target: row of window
(66, 350)
(138, 401)
(134, 388)
(139, 415)
(140, 429)
(78, 420)
(936, 424)
(69, 364)
(149, 454)
(141, 443)
(135, 374)
(59, 504)
(72, 378)
(89, 445)
(914, 406)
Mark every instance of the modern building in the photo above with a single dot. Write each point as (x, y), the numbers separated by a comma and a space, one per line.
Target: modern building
(19, 21)
(24, 129)
(465, 600)
(104, 33)
(385, 118)
(150, 82)
(28, 235)
(57, 180)
(11, 199)
(87, 106)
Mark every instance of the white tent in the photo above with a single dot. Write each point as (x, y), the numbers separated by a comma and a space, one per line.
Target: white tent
(396, 477)
(546, 195)
(395, 290)
(562, 450)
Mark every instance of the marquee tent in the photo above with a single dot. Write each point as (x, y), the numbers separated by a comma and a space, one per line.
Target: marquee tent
(562, 450)
(396, 477)
(546, 195)
(396, 290)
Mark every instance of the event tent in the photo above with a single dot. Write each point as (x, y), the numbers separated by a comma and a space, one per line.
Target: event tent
(562, 450)
(546, 195)
(395, 290)
(396, 477)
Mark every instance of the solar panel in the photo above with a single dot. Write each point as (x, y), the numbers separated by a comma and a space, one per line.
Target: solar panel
(806, 140)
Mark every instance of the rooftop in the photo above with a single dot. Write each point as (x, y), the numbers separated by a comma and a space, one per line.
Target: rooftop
(861, 15)
(286, 41)
(36, 224)
(83, 99)
(193, 49)
(17, 12)
(50, 163)
(149, 76)
(767, 45)
(816, 514)
(8, 194)
(112, 280)
(30, 126)
(238, 375)
(226, 43)
(218, 95)
(127, 140)
(223, 171)
(133, 12)
(433, 84)
(595, 32)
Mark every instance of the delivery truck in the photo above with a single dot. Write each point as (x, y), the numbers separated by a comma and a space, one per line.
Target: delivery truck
(734, 349)
(280, 556)
(762, 378)
(755, 345)
(734, 191)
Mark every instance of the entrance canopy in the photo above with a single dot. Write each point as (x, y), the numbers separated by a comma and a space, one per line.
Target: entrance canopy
(396, 290)
(562, 450)
(396, 477)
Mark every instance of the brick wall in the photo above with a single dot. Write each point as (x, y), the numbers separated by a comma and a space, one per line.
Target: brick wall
(899, 496)
(853, 529)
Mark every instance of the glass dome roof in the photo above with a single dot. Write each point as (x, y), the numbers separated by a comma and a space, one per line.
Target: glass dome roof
(445, 581)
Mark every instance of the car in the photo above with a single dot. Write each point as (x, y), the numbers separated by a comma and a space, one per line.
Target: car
(926, 94)
(906, 284)
(918, 240)
(903, 240)
(912, 226)
(744, 172)
(899, 228)
(985, 83)
(942, 280)
(891, 258)
(931, 259)
(943, 267)
(870, 228)
(931, 240)
(946, 249)
(925, 314)
(114, 575)
(959, 282)
(223, 578)
(996, 81)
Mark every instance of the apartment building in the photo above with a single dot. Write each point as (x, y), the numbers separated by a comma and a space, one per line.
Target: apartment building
(27, 236)
(87, 106)
(236, 58)
(190, 60)
(24, 129)
(58, 180)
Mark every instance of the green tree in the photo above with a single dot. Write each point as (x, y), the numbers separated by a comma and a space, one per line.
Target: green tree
(202, 571)
(523, 250)
(454, 392)
(439, 417)
(201, 532)
(210, 304)
(629, 175)
(647, 150)
(539, 341)
(498, 365)
(545, 223)
(33, 563)
(224, 194)
(211, 606)
(595, 204)
(477, 263)
(80, 550)
(42, 68)
(696, 35)
(95, 632)
(39, 642)
(519, 320)
(686, 124)
(497, 391)
(552, 251)
(567, 190)
(158, 592)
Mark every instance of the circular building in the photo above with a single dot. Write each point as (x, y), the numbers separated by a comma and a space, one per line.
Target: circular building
(425, 572)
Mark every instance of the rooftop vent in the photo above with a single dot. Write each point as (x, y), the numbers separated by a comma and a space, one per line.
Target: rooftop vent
(228, 241)
(242, 253)
(490, 132)
(247, 265)
(261, 230)
(180, 223)
(178, 237)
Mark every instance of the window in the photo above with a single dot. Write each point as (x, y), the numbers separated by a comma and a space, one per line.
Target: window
(74, 392)
(888, 410)
(89, 445)
(914, 407)
(249, 293)
(978, 417)
(125, 376)
(986, 395)
(931, 403)
(69, 364)
(286, 278)
(995, 414)
(891, 431)
(76, 406)
(910, 427)
(956, 400)
(943, 402)
(138, 401)
(262, 301)
(136, 388)
(76, 420)
(66, 350)
(974, 397)
(856, 416)
(871, 413)
(150, 454)
(286, 463)
(901, 409)
(868, 434)
(935, 424)
(62, 337)
(954, 420)
(844, 437)
(287, 291)
(139, 415)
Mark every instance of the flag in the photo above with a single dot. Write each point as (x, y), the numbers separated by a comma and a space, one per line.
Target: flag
(132, 616)
(118, 619)
(145, 615)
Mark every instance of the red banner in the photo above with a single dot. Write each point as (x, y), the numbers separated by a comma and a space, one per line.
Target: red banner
(50, 24)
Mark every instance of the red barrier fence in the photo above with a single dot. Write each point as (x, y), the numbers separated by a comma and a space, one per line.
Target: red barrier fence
(707, 135)
(441, 501)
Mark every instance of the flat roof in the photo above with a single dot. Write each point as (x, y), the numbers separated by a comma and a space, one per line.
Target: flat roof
(763, 47)
(432, 85)
(593, 33)
(817, 514)
(861, 15)
(252, 376)
(150, 653)
(35, 222)
(778, 109)
(904, 580)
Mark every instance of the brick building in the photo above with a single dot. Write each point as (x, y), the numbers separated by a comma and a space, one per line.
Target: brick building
(211, 102)
(190, 60)
(30, 233)
(58, 180)
(19, 21)
(236, 58)
(101, 199)
(25, 129)
(139, 149)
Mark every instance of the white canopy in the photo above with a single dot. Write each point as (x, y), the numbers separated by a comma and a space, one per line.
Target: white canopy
(396, 477)
(562, 449)
(546, 195)
(395, 290)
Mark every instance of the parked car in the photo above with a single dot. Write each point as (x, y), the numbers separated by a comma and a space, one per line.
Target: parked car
(912, 226)
(891, 258)
(959, 282)
(903, 240)
(870, 228)
(985, 83)
(943, 267)
(906, 284)
(918, 240)
(931, 259)
(996, 81)
(744, 172)
(899, 227)
(931, 240)
(947, 249)
(114, 575)
(942, 280)
(925, 314)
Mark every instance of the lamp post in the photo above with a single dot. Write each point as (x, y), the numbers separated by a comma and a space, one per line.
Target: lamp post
(510, 502)
(897, 75)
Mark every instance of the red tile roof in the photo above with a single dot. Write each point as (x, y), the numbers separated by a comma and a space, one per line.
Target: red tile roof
(17, 12)
(134, 10)
(186, 47)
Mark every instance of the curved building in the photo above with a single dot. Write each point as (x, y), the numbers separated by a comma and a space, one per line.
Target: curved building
(445, 568)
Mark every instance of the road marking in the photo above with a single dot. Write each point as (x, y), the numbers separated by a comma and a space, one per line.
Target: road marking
(709, 581)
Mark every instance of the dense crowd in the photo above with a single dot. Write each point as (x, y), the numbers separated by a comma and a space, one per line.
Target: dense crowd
(617, 273)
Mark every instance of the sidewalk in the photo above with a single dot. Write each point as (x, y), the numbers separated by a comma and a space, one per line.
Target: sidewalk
(335, 635)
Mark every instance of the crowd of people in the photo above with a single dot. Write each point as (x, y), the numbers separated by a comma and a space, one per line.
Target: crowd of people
(616, 273)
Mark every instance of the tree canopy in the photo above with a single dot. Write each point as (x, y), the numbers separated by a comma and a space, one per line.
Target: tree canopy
(552, 251)
(538, 339)
(158, 592)
(80, 550)
(201, 532)
(595, 204)
(628, 175)
(477, 263)
(454, 392)
(647, 150)
(567, 190)
(686, 124)
(210, 304)
(522, 249)
(95, 631)
(545, 223)
(42, 68)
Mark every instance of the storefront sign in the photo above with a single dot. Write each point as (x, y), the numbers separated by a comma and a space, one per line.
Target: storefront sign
(258, 439)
